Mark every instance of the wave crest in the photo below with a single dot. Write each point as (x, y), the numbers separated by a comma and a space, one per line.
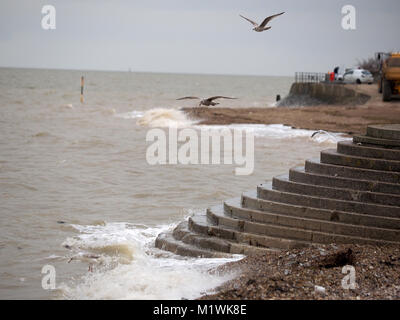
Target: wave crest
(165, 118)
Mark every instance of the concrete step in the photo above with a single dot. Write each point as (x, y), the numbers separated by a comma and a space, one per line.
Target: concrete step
(295, 232)
(249, 200)
(201, 224)
(376, 141)
(235, 212)
(299, 174)
(282, 183)
(165, 241)
(331, 156)
(354, 149)
(266, 192)
(317, 167)
(386, 131)
(183, 234)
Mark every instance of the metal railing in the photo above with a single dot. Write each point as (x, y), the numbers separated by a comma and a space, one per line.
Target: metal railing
(311, 77)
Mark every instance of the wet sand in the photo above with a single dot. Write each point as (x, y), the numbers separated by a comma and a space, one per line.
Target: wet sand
(349, 119)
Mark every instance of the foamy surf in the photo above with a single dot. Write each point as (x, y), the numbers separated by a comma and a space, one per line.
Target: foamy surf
(159, 117)
(279, 131)
(128, 266)
(165, 118)
(130, 115)
(173, 118)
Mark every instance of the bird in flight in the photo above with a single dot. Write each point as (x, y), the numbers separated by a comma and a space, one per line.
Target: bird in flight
(323, 131)
(207, 102)
(262, 26)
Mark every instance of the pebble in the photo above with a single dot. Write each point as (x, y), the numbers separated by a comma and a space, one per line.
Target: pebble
(320, 289)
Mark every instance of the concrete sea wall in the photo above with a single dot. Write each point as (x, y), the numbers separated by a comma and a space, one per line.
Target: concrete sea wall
(351, 194)
(304, 94)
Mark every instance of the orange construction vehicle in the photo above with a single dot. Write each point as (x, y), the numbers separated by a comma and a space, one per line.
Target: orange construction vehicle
(389, 76)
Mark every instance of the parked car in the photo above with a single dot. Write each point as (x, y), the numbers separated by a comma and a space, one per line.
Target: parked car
(357, 76)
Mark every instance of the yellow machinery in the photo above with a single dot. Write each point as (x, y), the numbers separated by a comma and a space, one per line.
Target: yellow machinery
(389, 81)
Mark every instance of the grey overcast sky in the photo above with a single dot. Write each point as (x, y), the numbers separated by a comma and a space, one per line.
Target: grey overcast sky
(188, 36)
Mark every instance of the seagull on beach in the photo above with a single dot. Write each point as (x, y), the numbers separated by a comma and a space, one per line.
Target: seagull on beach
(207, 102)
(261, 27)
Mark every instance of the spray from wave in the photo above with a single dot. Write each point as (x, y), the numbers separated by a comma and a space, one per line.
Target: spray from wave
(280, 131)
(128, 266)
(165, 118)
(130, 115)
(173, 118)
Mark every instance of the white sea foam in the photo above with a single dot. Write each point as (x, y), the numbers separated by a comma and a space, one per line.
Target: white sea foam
(279, 131)
(158, 117)
(165, 118)
(130, 115)
(144, 272)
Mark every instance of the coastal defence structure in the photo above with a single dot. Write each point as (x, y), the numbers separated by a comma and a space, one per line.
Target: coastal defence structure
(350, 195)
(316, 93)
(312, 88)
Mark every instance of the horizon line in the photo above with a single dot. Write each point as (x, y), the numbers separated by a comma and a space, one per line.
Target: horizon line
(155, 72)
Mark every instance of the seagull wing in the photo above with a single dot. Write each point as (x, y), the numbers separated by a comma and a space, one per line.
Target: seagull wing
(219, 97)
(315, 133)
(251, 21)
(186, 98)
(268, 19)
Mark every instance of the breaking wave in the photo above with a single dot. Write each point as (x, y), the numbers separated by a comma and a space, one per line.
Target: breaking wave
(173, 118)
(165, 118)
(280, 131)
(130, 115)
(126, 265)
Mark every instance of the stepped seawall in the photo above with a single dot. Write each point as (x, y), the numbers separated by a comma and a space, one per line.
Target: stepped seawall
(350, 195)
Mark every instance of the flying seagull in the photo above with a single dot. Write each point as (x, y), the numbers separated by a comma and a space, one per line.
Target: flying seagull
(208, 101)
(323, 131)
(262, 26)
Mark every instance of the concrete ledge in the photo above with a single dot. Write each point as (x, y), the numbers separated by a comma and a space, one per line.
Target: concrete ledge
(316, 166)
(353, 230)
(353, 149)
(376, 141)
(299, 174)
(282, 183)
(309, 230)
(330, 156)
(322, 93)
(265, 191)
(386, 131)
(165, 241)
(216, 244)
(250, 201)
(199, 224)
